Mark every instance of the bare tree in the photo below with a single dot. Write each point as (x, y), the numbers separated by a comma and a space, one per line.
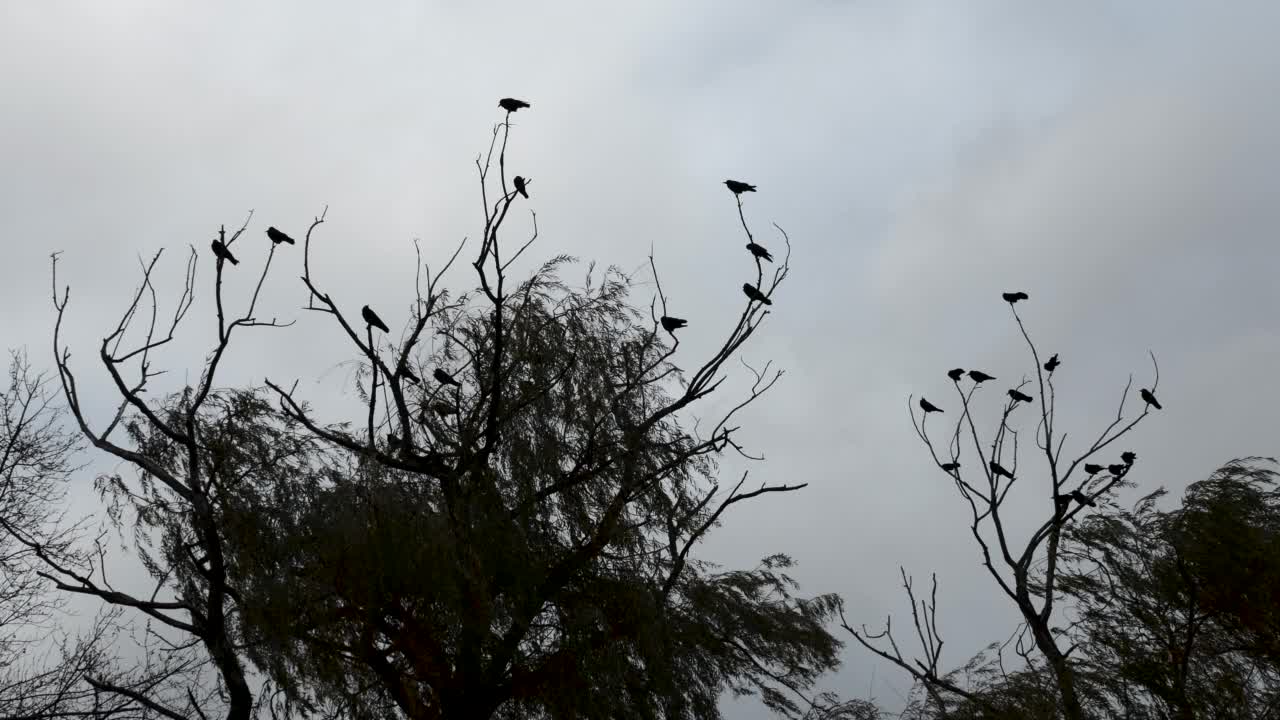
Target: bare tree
(1026, 573)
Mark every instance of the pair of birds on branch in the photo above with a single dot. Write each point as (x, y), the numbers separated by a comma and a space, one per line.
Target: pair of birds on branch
(511, 105)
(372, 320)
(1117, 469)
(222, 252)
(978, 378)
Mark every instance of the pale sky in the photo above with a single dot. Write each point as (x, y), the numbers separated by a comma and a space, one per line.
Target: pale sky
(1118, 161)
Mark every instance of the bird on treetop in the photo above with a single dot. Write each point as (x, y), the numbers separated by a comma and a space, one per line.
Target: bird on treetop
(1013, 297)
(759, 251)
(929, 407)
(754, 293)
(278, 237)
(222, 253)
(672, 324)
(955, 374)
(980, 377)
(371, 318)
(1149, 398)
(519, 183)
(739, 187)
(511, 104)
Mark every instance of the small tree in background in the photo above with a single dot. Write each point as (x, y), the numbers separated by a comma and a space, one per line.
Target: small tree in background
(1026, 572)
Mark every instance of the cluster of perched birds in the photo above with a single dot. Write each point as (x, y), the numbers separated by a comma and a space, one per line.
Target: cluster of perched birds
(753, 293)
(1127, 458)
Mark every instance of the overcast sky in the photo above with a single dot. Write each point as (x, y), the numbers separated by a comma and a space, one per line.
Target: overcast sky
(1118, 161)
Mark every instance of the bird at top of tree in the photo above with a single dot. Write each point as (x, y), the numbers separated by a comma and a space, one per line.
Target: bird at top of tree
(739, 187)
(371, 318)
(511, 104)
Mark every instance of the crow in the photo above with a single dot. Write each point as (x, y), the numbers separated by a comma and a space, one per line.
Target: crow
(1020, 396)
(223, 253)
(519, 183)
(1014, 297)
(980, 377)
(1117, 469)
(1053, 363)
(951, 466)
(445, 378)
(929, 407)
(739, 187)
(1083, 499)
(672, 324)
(408, 375)
(955, 374)
(372, 319)
(278, 237)
(511, 104)
(999, 470)
(1128, 457)
(1061, 502)
(754, 293)
(1092, 469)
(759, 251)
(1147, 396)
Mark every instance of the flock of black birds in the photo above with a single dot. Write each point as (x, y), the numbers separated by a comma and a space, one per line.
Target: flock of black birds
(671, 324)
(1061, 502)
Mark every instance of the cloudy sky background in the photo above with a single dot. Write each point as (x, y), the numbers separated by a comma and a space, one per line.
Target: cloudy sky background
(1118, 161)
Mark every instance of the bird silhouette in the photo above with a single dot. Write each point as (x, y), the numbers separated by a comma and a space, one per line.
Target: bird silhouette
(739, 187)
(511, 104)
(951, 466)
(443, 408)
(1149, 398)
(980, 377)
(223, 253)
(519, 183)
(754, 293)
(278, 237)
(955, 374)
(371, 318)
(672, 324)
(1061, 502)
(1117, 469)
(1092, 469)
(445, 378)
(1020, 396)
(408, 375)
(1128, 457)
(1083, 499)
(1053, 363)
(1014, 297)
(929, 407)
(999, 470)
(759, 251)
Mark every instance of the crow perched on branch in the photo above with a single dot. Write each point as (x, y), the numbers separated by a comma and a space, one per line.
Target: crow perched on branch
(754, 293)
(1092, 469)
(511, 104)
(1014, 297)
(999, 470)
(759, 251)
(1053, 363)
(672, 324)
(929, 407)
(1117, 469)
(980, 377)
(278, 237)
(371, 318)
(951, 466)
(739, 187)
(519, 183)
(1020, 396)
(1128, 456)
(445, 378)
(1149, 398)
(223, 253)
(1083, 499)
(955, 374)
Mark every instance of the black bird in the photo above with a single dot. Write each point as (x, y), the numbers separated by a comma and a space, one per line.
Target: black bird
(1147, 396)
(951, 466)
(759, 251)
(1020, 396)
(222, 252)
(1083, 499)
(1014, 297)
(1092, 469)
(672, 324)
(739, 187)
(980, 377)
(372, 319)
(955, 374)
(754, 293)
(1061, 502)
(278, 237)
(929, 407)
(511, 104)
(443, 408)
(519, 183)
(1117, 469)
(1128, 457)
(445, 378)
(1053, 363)
(999, 470)
(408, 375)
